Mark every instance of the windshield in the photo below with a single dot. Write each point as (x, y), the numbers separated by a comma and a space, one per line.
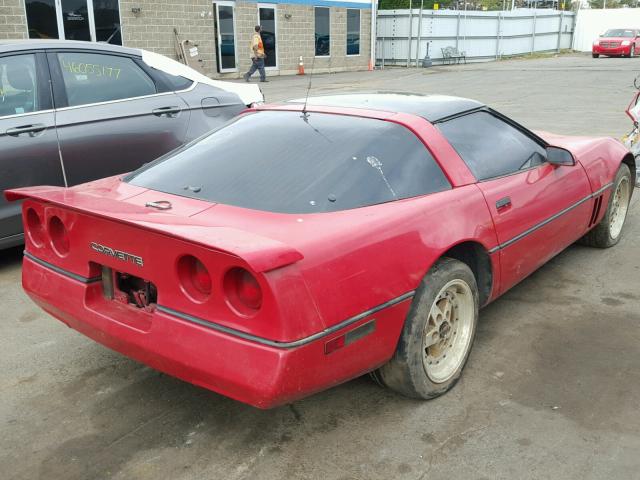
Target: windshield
(286, 162)
(619, 32)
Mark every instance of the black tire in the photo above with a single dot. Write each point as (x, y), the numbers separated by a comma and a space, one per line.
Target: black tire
(600, 236)
(405, 372)
(595, 55)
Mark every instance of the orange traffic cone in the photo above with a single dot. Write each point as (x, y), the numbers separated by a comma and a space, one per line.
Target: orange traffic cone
(301, 66)
(370, 65)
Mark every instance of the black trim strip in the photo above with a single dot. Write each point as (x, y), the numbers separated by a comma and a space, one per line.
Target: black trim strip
(292, 344)
(61, 271)
(529, 231)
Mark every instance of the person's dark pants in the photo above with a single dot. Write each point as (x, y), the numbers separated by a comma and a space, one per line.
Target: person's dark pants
(256, 64)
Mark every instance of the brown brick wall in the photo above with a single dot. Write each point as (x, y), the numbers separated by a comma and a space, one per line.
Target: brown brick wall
(13, 23)
(152, 29)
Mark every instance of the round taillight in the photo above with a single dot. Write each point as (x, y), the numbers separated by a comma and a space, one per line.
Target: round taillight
(35, 229)
(59, 236)
(243, 291)
(194, 278)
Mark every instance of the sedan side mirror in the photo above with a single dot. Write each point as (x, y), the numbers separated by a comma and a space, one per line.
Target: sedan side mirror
(560, 156)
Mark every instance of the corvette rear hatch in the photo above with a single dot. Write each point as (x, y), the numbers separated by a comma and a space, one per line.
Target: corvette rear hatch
(136, 254)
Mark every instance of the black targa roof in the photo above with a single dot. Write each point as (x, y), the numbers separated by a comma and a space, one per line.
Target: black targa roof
(430, 107)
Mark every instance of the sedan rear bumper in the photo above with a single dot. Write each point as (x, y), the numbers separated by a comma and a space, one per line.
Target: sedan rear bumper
(261, 375)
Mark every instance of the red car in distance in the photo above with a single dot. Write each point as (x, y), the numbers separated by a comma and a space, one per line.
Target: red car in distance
(617, 42)
(305, 244)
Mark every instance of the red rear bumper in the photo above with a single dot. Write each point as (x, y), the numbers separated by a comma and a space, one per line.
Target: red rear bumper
(261, 375)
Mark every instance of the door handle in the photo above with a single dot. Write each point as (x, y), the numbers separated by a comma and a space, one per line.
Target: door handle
(30, 129)
(168, 111)
(503, 203)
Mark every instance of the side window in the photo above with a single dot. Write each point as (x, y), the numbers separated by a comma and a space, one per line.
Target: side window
(94, 77)
(491, 147)
(175, 82)
(18, 85)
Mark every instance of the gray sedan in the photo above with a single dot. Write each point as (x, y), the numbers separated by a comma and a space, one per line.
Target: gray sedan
(71, 112)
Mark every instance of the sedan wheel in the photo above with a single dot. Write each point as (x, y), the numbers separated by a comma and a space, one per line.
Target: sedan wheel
(437, 335)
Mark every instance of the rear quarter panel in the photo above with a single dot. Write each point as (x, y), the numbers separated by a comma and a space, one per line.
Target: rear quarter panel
(210, 107)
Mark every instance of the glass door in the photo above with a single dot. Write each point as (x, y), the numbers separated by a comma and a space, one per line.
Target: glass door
(267, 20)
(90, 20)
(226, 36)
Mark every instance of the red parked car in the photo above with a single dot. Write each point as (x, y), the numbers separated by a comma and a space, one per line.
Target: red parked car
(617, 42)
(302, 245)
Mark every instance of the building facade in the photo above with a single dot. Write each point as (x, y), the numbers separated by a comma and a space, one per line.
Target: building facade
(330, 35)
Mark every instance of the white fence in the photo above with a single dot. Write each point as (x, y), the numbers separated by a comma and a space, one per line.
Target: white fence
(593, 22)
(403, 36)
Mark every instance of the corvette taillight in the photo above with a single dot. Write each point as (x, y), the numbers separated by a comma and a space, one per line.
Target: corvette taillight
(35, 229)
(243, 291)
(59, 236)
(194, 278)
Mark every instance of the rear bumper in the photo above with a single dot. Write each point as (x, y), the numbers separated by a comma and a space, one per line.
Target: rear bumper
(611, 51)
(261, 375)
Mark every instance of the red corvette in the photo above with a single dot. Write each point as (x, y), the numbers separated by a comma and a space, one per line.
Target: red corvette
(302, 245)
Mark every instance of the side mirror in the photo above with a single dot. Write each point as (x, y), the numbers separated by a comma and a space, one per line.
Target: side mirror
(560, 156)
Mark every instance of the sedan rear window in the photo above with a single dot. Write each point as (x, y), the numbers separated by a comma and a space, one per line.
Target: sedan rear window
(291, 163)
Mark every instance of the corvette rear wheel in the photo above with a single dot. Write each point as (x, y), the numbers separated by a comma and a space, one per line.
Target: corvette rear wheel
(438, 333)
(609, 231)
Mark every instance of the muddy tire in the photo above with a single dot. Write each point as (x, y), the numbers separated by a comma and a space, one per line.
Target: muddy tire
(595, 55)
(437, 335)
(609, 231)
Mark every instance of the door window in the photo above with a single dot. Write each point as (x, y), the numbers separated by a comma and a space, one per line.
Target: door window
(353, 31)
(18, 85)
(322, 31)
(267, 20)
(92, 78)
(490, 147)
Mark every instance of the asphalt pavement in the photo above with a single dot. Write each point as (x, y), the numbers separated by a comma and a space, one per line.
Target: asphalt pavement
(551, 389)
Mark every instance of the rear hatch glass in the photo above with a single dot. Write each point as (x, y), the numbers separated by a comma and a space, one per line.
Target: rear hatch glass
(288, 162)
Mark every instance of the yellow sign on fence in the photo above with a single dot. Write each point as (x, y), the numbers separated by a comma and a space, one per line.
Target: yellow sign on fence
(436, 6)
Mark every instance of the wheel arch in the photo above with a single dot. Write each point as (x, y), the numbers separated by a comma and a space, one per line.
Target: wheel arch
(477, 258)
(630, 161)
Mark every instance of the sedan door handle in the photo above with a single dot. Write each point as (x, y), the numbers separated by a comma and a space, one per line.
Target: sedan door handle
(168, 111)
(30, 129)
(503, 203)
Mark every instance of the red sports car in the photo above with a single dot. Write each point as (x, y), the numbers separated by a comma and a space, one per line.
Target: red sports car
(617, 42)
(302, 245)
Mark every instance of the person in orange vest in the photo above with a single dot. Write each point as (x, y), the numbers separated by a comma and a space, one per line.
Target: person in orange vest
(257, 57)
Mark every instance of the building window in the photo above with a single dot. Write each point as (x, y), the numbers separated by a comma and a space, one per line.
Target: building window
(353, 31)
(323, 32)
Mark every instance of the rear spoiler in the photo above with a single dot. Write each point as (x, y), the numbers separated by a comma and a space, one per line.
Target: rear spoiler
(261, 253)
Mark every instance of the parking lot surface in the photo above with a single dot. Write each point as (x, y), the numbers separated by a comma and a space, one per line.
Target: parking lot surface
(550, 391)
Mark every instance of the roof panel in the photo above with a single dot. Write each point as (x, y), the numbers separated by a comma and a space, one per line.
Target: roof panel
(430, 107)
